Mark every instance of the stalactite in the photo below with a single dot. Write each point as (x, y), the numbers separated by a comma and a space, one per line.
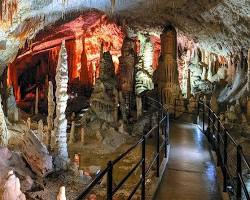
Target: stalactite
(8, 9)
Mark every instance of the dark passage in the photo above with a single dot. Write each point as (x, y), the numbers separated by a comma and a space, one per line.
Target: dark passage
(191, 172)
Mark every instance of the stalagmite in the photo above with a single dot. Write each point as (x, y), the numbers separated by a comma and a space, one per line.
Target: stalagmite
(61, 195)
(188, 85)
(40, 130)
(51, 106)
(12, 188)
(138, 106)
(60, 122)
(4, 133)
(72, 133)
(166, 74)
(82, 135)
(36, 101)
(28, 123)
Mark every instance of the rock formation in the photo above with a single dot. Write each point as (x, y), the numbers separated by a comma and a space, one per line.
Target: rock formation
(166, 75)
(12, 110)
(12, 189)
(61, 195)
(4, 133)
(36, 154)
(72, 133)
(144, 68)
(60, 122)
(104, 99)
(51, 107)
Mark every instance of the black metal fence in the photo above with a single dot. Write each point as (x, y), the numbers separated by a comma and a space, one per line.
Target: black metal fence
(161, 134)
(230, 156)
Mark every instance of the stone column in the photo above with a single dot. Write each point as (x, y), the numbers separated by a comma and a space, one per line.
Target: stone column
(60, 122)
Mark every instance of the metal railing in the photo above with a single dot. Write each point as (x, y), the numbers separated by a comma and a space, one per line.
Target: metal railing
(161, 128)
(230, 156)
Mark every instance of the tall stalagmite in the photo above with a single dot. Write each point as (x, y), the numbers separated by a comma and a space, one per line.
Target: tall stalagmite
(4, 134)
(51, 106)
(60, 122)
(166, 76)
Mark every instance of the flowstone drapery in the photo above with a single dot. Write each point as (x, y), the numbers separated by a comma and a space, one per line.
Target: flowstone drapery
(60, 122)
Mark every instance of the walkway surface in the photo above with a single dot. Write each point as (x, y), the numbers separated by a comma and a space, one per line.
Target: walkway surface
(191, 172)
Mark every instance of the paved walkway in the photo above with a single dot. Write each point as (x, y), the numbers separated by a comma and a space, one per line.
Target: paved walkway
(191, 173)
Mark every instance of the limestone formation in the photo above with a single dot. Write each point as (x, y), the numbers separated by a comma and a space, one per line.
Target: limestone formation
(82, 135)
(12, 188)
(213, 104)
(248, 72)
(60, 122)
(72, 133)
(104, 98)
(144, 68)
(40, 130)
(127, 66)
(166, 75)
(36, 154)
(138, 106)
(4, 133)
(12, 110)
(28, 123)
(61, 195)
(51, 107)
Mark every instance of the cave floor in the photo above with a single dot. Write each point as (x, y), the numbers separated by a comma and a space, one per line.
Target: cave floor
(191, 172)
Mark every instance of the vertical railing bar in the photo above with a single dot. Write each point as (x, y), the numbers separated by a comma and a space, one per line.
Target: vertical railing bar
(239, 172)
(218, 143)
(225, 161)
(158, 149)
(110, 181)
(143, 170)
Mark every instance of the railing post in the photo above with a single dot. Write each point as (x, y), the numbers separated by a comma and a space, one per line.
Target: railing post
(165, 136)
(218, 143)
(225, 161)
(143, 167)
(198, 110)
(158, 149)
(208, 124)
(110, 181)
(239, 172)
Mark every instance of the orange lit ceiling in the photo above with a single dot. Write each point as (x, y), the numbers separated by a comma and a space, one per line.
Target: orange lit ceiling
(92, 27)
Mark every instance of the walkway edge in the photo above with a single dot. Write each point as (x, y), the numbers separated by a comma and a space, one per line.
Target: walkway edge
(162, 171)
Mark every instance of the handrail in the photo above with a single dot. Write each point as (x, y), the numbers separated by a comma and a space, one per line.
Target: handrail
(219, 137)
(220, 142)
(164, 121)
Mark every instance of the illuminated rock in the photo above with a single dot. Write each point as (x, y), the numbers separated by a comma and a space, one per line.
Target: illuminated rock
(60, 122)
(72, 133)
(12, 110)
(166, 76)
(12, 188)
(51, 107)
(213, 104)
(36, 154)
(61, 195)
(144, 68)
(104, 98)
(4, 133)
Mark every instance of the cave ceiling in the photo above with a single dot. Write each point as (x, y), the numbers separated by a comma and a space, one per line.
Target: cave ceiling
(220, 26)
